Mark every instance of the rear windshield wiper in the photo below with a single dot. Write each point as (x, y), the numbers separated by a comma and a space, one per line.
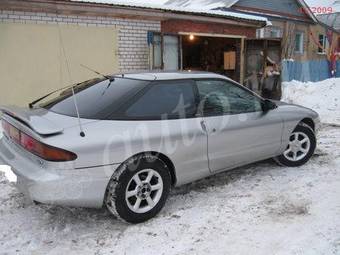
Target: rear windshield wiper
(108, 77)
(30, 105)
(41, 98)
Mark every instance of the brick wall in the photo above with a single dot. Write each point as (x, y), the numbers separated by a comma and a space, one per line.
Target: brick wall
(132, 37)
(175, 26)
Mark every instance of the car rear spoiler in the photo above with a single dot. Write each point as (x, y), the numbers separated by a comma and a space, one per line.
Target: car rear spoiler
(33, 119)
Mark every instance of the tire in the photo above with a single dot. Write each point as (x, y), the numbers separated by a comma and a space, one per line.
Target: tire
(298, 154)
(138, 189)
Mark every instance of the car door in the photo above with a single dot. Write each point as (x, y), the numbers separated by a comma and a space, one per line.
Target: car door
(239, 131)
(165, 118)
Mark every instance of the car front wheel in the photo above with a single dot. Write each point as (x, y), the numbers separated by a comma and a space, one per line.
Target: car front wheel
(301, 147)
(138, 189)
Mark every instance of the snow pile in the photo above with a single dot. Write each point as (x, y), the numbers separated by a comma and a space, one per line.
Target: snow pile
(323, 97)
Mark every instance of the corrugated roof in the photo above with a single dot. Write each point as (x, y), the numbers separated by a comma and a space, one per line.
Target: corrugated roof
(331, 20)
(177, 4)
(205, 7)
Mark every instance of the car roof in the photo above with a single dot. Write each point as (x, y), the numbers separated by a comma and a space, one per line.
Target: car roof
(164, 76)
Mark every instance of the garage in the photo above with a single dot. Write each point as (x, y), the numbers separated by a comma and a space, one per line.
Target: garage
(46, 50)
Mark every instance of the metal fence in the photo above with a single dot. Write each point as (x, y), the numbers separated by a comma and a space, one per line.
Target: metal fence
(313, 71)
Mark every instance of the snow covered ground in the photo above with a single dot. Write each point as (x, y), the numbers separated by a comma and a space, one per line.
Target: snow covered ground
(323, 97)
(258, 209)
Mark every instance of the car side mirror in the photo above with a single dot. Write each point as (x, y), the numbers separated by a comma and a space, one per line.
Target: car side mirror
(268, 105)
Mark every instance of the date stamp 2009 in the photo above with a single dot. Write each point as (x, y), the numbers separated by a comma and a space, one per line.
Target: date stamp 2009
(317, 9)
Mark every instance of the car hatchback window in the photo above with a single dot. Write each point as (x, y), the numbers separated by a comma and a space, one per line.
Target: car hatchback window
(165, 100)
(97, 98)
(221, 98)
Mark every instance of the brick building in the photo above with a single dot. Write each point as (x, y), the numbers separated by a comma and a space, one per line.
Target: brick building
(47, 44)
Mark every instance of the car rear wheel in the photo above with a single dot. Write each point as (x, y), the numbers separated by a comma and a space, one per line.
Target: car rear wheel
(301, 147)
(139, 188)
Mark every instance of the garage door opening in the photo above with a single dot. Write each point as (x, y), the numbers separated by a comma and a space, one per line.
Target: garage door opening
(214, 54)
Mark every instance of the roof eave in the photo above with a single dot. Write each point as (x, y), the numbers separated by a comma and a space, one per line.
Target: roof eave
(87, 8)
(308, 11)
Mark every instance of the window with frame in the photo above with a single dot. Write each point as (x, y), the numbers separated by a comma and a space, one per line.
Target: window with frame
(165, 51)
(269, 32)
(219, 97)
(275, 32)
(164, 100)
(260, 33)
(323, 41)
(299, 37)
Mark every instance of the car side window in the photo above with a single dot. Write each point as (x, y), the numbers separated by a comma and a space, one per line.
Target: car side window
(165, 100)
(219, 97)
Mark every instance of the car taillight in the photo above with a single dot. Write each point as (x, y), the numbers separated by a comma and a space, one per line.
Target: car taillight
(11, 131)
(37, 148)
(5, 126)
(45, 151)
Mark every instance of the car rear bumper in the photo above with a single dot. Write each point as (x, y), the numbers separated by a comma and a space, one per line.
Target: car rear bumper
(75, 187)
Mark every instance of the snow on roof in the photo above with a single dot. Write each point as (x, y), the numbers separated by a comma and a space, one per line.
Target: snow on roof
(189, 6)
(169, 4)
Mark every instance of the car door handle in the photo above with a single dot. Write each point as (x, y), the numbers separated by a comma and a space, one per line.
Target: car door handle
(204, 127)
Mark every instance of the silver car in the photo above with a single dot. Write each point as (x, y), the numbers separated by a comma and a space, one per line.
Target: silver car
(123, 141)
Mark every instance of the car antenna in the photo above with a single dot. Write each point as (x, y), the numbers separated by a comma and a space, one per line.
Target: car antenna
(110, 78)
(82, 133)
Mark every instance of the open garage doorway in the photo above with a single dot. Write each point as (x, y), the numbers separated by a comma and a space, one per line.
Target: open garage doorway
(214, 54)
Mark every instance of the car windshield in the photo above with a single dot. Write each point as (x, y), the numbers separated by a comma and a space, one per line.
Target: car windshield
(96, 98)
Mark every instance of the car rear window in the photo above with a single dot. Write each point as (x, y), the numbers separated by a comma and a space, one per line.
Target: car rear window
(96, 98)
(127, 99)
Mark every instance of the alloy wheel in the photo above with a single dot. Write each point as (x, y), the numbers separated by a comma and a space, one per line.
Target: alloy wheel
(144, 191)
(298, 147)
